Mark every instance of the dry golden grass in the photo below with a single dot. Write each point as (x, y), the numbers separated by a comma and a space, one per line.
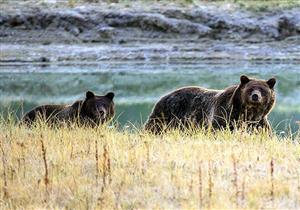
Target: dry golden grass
(84, 168)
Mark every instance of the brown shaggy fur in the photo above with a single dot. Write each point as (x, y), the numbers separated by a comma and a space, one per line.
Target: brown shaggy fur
(93, 110)
(248, 103)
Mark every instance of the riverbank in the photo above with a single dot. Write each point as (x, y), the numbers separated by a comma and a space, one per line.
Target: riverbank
(97, 32)
(119, 24)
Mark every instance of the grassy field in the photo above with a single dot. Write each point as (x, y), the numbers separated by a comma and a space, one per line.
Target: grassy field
(105, 168)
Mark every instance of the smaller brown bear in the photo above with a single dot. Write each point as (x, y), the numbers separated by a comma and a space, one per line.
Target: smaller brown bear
(247, 104)
(93, 110)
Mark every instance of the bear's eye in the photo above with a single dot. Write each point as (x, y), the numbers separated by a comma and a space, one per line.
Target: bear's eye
(250, 90)
(263, 92)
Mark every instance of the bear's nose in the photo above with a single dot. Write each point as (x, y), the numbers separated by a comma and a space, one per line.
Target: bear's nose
(102, 113)
(255, 97)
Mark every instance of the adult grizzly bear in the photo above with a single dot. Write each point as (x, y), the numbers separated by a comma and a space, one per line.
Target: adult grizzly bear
(248, 103)
(93, 110)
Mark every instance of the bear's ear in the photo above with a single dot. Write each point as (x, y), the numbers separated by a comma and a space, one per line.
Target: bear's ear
(110, 95)
(89, 94)
(271, 82)
(244, 79)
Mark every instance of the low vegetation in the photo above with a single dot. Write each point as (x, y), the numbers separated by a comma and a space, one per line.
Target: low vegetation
(254, 5)
(109, 168)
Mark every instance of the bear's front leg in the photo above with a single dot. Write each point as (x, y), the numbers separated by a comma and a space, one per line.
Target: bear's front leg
(264, 125)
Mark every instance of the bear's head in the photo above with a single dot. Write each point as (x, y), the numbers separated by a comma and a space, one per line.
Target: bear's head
(257, 94)
(98, 109)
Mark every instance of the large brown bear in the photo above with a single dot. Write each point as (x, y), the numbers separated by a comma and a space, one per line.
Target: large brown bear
(248, 103)
(93, 110)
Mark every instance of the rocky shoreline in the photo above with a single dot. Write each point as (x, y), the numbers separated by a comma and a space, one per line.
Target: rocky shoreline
(205, 32)
(100, 24)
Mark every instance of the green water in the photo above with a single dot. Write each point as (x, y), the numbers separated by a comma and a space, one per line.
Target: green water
(138, 85)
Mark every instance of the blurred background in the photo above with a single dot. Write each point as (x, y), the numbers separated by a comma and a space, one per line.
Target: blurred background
(53, 51)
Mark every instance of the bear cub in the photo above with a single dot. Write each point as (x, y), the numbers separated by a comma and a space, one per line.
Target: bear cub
(246, 104)
(93, 110)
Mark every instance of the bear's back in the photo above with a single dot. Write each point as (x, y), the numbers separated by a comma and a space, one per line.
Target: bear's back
(180, 104)
(43, 112)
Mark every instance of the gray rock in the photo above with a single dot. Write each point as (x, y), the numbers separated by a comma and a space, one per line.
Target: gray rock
(97, 24)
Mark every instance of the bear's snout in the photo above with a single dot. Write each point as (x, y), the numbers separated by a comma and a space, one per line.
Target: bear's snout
(256, 96)
(101, 112)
